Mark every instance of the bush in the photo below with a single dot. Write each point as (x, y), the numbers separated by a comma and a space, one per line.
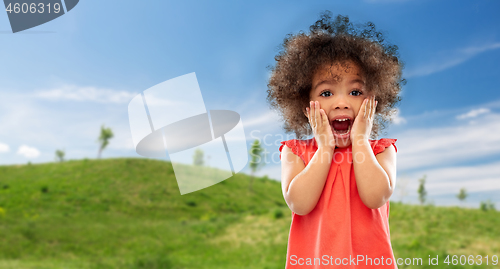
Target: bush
(487, 205)
(45, 189)
(278, 213)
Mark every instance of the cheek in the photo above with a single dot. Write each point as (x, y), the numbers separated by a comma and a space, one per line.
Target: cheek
(357, 112)
(357, 108)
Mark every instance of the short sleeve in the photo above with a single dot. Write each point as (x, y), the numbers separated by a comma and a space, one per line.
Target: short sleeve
(379, 146)
(295, 146)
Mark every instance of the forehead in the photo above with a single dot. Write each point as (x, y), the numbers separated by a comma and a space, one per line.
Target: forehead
(337, 72)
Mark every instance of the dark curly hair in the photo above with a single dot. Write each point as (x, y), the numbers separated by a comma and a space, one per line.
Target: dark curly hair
(333, 41)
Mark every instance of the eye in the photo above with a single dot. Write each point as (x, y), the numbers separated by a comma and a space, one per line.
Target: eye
(356, 92)
(326, 94)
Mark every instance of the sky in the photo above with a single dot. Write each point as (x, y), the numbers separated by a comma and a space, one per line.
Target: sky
(61, 81)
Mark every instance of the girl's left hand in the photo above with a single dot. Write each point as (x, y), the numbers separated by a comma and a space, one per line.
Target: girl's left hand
(362, 126)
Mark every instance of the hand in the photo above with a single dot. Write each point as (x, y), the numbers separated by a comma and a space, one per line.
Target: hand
(320, 125)
(362, 126)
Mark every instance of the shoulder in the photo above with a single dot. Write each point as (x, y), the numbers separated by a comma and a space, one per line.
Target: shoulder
(385, 153)
(298, 147)
(293, 144)
(380, 145)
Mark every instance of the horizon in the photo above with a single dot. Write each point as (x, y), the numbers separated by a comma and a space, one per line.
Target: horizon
(62, 80)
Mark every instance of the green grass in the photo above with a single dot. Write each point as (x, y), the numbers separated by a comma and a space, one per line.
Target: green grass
(128, 213)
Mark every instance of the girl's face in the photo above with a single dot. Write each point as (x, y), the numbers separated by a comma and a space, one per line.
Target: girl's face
(340, 91)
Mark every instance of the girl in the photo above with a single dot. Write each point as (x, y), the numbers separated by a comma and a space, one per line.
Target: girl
(341, 82)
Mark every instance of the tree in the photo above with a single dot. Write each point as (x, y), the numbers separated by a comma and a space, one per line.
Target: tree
(256, 160)
(422, 193)
(60, 155)
(487, 205)
(462, 195)
(104, 137)
(198, 157)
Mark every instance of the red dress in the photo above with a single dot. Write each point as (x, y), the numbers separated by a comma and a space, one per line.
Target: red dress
(340, 231)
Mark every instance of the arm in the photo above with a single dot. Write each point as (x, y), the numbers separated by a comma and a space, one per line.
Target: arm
(302, 185)
(375, 175)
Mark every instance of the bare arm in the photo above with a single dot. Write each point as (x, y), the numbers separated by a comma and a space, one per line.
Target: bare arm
(375, 175)
(302, 185)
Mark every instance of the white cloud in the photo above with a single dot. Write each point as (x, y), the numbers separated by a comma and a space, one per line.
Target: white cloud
(473, 113)
(439, 146)
(479, 49)
(28, 152)
(4, 148)
(92, 94)
(397, 119)
(262, 119)
(33, 121)
(453, 58)
(450, 179)
(440, 153)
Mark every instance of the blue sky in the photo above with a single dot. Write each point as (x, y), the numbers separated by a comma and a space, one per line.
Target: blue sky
(59, 82)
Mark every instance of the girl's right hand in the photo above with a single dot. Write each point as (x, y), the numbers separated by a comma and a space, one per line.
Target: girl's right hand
(320, 125)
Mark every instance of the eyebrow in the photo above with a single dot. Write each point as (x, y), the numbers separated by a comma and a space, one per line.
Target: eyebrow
(357, 80)
(331, 81)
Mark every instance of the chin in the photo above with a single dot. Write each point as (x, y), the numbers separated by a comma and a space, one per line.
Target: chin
(343, 143)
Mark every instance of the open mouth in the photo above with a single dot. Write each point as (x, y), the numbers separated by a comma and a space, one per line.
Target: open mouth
(341, 127)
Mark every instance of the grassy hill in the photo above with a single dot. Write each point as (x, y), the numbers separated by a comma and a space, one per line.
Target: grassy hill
(128, 213)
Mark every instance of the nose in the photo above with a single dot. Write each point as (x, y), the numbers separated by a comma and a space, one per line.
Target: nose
(342, 103)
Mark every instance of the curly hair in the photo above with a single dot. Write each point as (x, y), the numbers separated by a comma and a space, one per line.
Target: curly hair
(333, 41)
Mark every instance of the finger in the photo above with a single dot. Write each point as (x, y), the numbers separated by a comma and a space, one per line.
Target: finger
(325, 118)
(320, 118)
(363, 107)
(367, 108)
(326, 123)
(370, 107)
(316, 113)
(311, 110)
(311, 114)
(374, 107)
(321, 114)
